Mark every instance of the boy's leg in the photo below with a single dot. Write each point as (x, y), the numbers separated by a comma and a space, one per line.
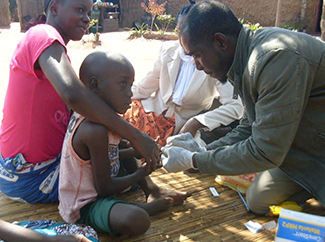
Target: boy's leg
(115, 217)
(272, 187)
(151, 190)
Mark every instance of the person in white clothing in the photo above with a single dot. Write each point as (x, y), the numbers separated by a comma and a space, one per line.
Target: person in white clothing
(174, 97)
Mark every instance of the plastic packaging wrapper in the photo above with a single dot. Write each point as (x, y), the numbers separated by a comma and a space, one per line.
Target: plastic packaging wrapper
(241, 182)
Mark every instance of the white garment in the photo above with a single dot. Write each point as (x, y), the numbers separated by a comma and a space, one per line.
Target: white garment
(156, 89)
(184, 77)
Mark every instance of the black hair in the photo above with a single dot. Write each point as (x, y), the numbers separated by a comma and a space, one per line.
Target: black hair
(46, 5)
(41, 18)
(184, 10)
(207, 18)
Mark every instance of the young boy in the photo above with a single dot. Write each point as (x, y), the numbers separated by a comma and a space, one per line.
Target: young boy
(90, 159)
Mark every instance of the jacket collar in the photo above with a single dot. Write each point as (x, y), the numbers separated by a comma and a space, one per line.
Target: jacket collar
(241, 56)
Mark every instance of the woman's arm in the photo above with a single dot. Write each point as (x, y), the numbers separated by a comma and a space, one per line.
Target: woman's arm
(57, 68)
(229, 111)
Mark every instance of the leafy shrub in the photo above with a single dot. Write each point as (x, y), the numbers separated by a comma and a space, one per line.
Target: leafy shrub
(165, 20)
(250, 24)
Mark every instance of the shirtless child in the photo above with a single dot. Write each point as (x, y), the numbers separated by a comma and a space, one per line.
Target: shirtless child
(91, 159)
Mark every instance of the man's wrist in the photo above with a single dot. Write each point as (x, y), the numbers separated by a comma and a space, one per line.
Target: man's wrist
(194, 161)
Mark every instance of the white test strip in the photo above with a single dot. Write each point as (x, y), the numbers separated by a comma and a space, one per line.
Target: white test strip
(214, 191)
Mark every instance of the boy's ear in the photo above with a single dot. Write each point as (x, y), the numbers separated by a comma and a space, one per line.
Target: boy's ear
(93, 84)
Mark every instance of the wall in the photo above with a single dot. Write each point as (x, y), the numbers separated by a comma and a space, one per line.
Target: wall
(257, 11)
(31, 8)
(265, 11)
(4, 14)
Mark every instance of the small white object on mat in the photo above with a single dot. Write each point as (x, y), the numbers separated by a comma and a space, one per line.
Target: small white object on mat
(214, 191)
(270, 225)
(254, 227)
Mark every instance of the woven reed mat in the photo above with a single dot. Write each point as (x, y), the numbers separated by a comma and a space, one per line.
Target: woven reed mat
(201, 218)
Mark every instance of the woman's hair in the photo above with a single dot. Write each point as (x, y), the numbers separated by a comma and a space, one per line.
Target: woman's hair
(184, 10)
(46, 5)
(41, 18)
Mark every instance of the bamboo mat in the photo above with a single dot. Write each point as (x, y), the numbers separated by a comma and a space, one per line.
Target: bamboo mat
(201, 218)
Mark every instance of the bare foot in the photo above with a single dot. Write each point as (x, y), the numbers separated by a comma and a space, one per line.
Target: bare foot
(156, 206)
(178, 197)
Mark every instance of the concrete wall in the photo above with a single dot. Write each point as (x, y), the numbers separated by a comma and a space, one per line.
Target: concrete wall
(4, 14)
(264, 11)
(31, 8)
(257, 11)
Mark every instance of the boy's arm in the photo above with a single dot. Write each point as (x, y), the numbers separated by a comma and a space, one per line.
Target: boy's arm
(57, 68)
(128, 153)
(12, 233)
(95, 137)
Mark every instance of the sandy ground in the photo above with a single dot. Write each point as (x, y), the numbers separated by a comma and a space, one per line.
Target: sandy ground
(141, 52)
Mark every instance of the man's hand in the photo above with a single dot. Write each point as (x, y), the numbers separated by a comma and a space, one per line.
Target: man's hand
(148, 149)
(191, 126)
(185, 141)
(175, 159)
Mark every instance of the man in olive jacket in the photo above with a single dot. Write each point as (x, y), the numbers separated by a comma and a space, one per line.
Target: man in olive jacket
(280, 76)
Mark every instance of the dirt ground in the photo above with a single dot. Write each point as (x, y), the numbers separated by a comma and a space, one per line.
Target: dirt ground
(141, 52)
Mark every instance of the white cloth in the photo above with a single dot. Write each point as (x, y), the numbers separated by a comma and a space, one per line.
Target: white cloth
(185, 74)
(155, 91)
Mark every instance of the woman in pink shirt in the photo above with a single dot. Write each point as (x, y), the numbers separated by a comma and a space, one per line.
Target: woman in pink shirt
(42, 88)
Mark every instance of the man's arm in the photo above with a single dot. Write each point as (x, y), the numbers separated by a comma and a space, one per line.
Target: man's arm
(278, 91)
(57, 68)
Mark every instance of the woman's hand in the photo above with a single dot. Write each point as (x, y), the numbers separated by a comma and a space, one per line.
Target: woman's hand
(148, 149)
(191, 126)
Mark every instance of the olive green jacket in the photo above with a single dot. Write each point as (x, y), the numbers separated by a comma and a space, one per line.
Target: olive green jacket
(280, 76)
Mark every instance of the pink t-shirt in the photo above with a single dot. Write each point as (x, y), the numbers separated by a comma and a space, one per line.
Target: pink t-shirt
(34, 116)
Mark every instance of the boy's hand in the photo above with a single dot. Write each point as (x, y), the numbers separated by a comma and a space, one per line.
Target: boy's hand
(124, 143)
(144, 170)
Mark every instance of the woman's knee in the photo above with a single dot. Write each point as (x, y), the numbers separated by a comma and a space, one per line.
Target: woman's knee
(132, 221)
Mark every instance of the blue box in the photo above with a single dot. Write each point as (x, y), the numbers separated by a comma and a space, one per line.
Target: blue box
(296, 226)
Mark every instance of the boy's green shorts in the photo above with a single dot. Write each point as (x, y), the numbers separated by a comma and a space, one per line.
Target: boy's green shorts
(96, 214)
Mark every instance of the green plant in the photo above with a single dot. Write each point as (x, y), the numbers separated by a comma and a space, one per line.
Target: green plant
(165, 20)
(93, 22)
(154, 9)
(159, 31)
(137, 32)
(250, 24)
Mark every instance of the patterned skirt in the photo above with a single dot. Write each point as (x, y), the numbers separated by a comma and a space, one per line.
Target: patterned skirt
(158, 127)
